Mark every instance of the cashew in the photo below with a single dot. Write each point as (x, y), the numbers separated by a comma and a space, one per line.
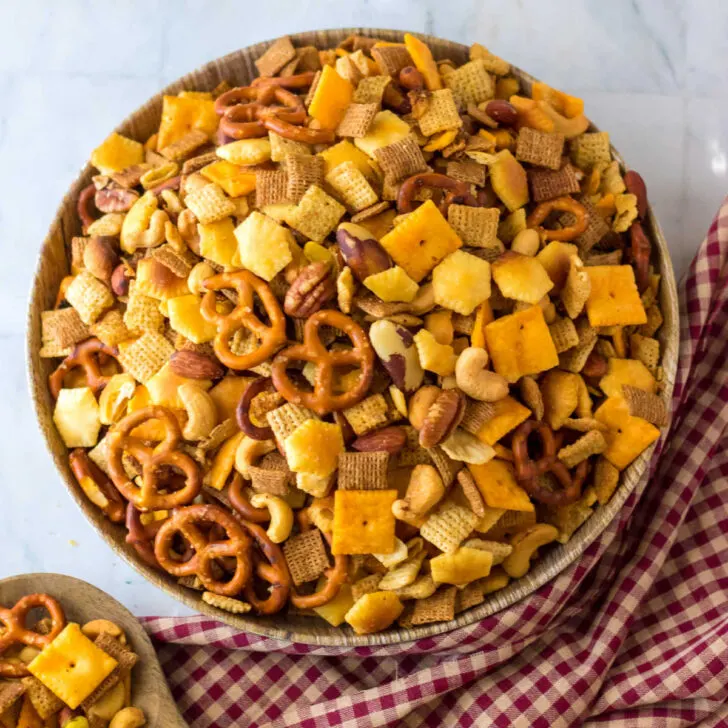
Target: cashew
(525, 545)
(420, 403)
(128, 718)
(109, 704)
(526, 242)
(201, 411)
(321, 513)
(424, 491)
(152, 236)
(28, 654)
(96, 627)
(281, 515)
(187, 226)
(197, 275)
(249, 451)
(475, 380)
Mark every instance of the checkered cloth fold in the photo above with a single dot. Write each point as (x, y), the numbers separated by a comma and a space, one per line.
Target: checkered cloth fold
(633, 634)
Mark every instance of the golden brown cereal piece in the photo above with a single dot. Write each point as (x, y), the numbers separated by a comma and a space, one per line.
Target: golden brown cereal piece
(372, 211)
(280, 147)
(367, 585)
(316, 215)
(126, 657)
(367, 415)
(576, 290)
(441, 114)
(43, 700)
(646, 350)
(221, 433)
(363, 470)
(227, 604)
(570, 517)
(476, 415)
(144, 357)
(401, 159)
(10, 693)
(446, 466)
(111, 329)
(142, 313)
(470, 596)
(62, 328)
(471, 83)
(590, 149)
(476, 226)
(265, 480)
(210, 204)
(471, 492)
(563, 333)
(546, 184)
(584, 424)
(271, 187)
(573, 359)
(449, 526)
(509, 523)
(493, 63)
(540, 148)
(371, 89)
(606, 480)
(654, 322)
(531, 396)
(180, 263)
(440, 607)
(184, 146)
(592, 443)
(351, 186)
(303, 171)
(392, 59)
(500, 551)
(286, 418)
(276, 56)
(560, 393)
(467, 171)
(89, 296)
(306, 556)
(646, 405)
(357, 120)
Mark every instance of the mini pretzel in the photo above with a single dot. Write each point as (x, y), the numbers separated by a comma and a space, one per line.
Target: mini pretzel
(639, 255)
(14, 631)
(299, 80)
(149, 496)
(83, 467)
(562, 204)
(84, 206)
(335, 576)
(243, 317)
(275, 572)
(457, 191)
(529, 470)
(88, 355)
(141, 536)
(241, 504)
(242, 413)
(208, 551)
(323, 399)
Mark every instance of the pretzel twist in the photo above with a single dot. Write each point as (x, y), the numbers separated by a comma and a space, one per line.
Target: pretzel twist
(141, 536)
(270, 566)
(242, 412)
(84, 468)
(457, 191)
(529, 470)
(323, 399)
(148, 496)
(16, 633)
(242, 505)
(208, 549)
(562, 204)
(87, 355)
(243, 317)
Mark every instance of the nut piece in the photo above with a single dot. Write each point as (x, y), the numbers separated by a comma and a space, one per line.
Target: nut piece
(281, 515)
(389, 439)
(197, 275)
(420, 403)
(313, 287)
(195, 365)
(411, 79)
(395, 347)
(636, 186)
(477, 381)
(360, 251)
(525, 544)
(424, 492)
(97, 627)
(502, 111)
(115, 199)
(596, 366)
(100, 257)
(201, 411)
(442, 417)
(526, 242)
(128, 718)
(120, 279)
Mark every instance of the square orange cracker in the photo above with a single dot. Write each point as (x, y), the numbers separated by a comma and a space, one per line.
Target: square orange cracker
(234, 179)
(614, 299)
(497, 483)
(116, 153)
(306, 556)
(330, 99)
(560, 392)
(520, 344)
(508, 413)
(442, 113)
(363, 522)
(628, 436)
(421, 241)
(627, 372)
(543, 149)
(476, 226)
(181, 114)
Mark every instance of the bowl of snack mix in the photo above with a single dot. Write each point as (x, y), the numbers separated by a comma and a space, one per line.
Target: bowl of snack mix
(354, 337)
(72, 656)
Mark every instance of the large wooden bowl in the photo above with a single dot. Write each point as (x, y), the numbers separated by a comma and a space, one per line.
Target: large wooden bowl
(82, 603)
(238, 69)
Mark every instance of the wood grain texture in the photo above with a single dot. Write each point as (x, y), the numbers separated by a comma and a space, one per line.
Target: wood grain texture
(238, 69)
(82, 603)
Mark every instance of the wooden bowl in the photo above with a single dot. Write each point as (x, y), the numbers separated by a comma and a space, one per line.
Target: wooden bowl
(238, 69)
(82, 602)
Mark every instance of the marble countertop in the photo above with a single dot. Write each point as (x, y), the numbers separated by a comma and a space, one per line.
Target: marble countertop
(650, 71)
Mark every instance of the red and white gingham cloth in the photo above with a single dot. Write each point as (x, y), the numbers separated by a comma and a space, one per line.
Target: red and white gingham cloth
(633, 634)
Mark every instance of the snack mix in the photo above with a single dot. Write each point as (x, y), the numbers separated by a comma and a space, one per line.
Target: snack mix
(63, 675)
(360, 339)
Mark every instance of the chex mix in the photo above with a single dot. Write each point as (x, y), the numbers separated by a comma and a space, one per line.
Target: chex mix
(360, 339)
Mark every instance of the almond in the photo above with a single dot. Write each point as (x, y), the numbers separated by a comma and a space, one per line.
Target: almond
(390, 439)
(100, 257)
(193, 365)
(636, 186)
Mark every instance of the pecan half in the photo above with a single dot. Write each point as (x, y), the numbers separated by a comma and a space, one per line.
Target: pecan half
(442, 418)
(312, 288)
(115, 199)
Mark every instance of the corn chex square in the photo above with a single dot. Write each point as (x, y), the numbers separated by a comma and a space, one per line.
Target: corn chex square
(316, 215)
(367, 415)
(449, 526)
(363, 470)
(351, 186)
(142, 313)
(89, 296)
(306, 556)
(210, 204)
(440, 607)
(357, 120)
(591, 148)
(285, 419)
(543, 149)
(441, 114)
(476, 226)
(111, 329)
(401, 159)
(371, 89)
(144, 357)
(303, 171)
(280, 147)
(471, 83)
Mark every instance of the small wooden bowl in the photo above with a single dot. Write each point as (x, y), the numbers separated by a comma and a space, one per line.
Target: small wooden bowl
(238, 69)
(82, 603)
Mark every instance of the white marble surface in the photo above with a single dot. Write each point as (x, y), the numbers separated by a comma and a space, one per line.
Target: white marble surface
(651, 72)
